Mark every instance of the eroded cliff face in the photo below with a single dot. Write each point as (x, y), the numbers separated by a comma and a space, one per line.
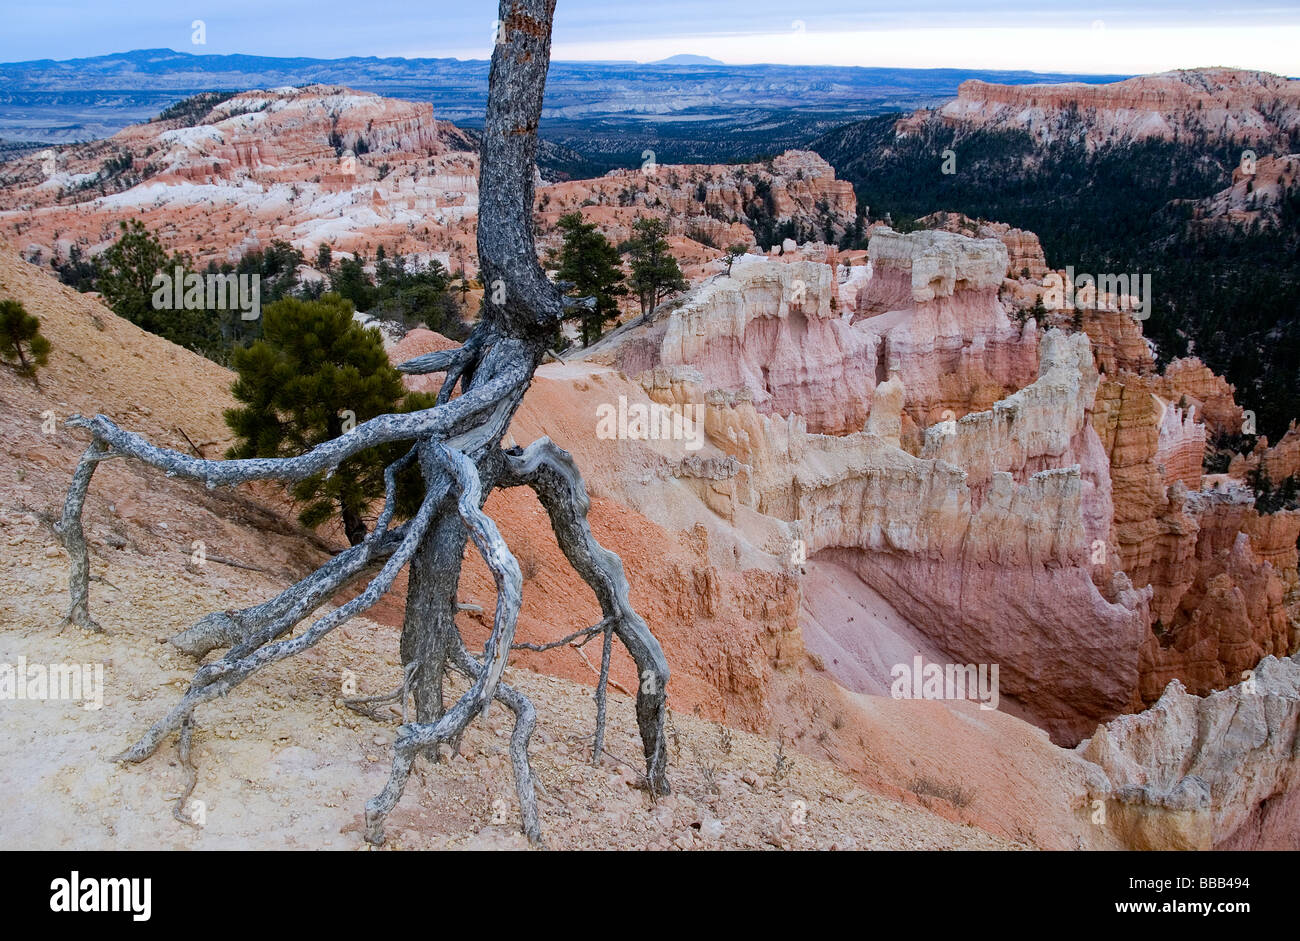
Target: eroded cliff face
(801, 337)
(1222, 575)
(1224, 104)
(933, 297)
(1212, 397)
(773, 330)
(1025, 257)
(1219, 771)
(309, 166)
(1065, 514)
(353, 170)
(986, 540)
(1277, 462)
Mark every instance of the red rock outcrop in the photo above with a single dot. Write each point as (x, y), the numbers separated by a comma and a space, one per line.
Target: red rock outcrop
(1278, 462)
(353, 170)
(1209, 393)
(308, 166)
(713, 204)
(1221, 574)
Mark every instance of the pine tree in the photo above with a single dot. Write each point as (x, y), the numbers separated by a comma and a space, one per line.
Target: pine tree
(655, 274)
(352, 281)
(1039, 312)
(734, 253)
(315, 374)
(20, 339)
(126, 274)
(127, 270)
(590, 266)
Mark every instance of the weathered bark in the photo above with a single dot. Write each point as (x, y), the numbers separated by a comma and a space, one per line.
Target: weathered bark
(74, 538)
(551, 473)
(457, 446)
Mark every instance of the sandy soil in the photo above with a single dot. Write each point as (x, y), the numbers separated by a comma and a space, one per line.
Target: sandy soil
(282, 764)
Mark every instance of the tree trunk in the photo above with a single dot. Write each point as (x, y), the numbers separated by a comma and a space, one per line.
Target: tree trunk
(354, 527)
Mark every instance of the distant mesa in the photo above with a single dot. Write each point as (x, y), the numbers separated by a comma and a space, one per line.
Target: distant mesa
(686, 60)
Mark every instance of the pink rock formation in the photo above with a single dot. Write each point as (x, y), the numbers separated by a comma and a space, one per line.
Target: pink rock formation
(771, 329)
(986, 541)
(1224, 104)
(1180, 445)
(1024, 252)
(264, 165)
(933, 297)
(353, 170)
(1210, 394)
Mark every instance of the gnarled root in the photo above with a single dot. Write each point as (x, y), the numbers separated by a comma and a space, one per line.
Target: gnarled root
(74, 538)
(549, 470)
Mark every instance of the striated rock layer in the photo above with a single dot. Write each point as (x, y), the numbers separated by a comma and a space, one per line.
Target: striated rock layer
(985, 540)
(933, 297)
(1223, 104)
(328, 165)
(798, 337)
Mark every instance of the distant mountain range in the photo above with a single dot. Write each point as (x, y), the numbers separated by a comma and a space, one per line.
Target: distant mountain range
(686, 108)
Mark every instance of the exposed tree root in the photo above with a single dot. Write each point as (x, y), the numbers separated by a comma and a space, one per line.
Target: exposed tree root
(551, 473)
(191, 774)
(365, 705)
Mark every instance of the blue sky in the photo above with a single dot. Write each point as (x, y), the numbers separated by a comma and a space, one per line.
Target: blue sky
(1110, 36)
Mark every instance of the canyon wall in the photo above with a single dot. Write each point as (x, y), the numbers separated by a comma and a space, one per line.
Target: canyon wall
(1224, 104)
(985, 541)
